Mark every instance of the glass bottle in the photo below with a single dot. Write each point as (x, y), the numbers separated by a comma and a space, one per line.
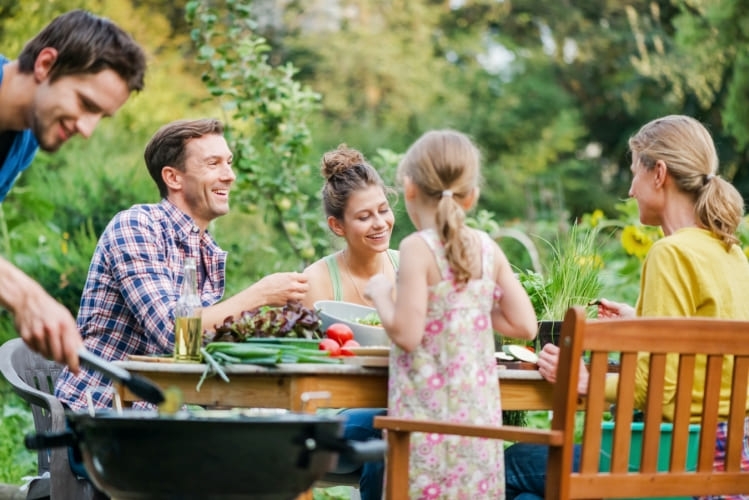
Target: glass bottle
(188, 322)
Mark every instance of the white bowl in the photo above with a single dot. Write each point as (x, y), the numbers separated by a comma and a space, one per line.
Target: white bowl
(334, 311)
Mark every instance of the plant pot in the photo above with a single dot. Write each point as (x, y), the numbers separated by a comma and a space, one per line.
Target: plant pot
(548, 333)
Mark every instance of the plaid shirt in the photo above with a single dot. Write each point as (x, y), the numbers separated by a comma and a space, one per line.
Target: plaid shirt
(133, 284)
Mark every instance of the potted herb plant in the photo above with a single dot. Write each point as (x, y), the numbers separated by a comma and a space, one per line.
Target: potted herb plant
(571, 277)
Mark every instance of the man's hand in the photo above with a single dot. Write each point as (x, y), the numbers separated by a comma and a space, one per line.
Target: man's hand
(280, 288)
(43, 323)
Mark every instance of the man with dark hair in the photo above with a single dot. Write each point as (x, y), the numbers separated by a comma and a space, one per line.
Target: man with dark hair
(136, 272)
(77, 70)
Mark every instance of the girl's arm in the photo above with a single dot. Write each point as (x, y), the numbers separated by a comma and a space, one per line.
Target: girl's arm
(513, 315)
(404, 318)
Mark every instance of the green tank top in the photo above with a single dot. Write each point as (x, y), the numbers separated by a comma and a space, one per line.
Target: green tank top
(335, 272)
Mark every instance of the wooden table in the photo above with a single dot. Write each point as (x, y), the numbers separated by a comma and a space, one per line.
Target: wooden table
(349, 386)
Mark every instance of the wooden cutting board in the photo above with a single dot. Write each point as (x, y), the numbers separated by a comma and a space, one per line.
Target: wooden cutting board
(150, 359)
(516, 365)
(366, 361)
(370, 350)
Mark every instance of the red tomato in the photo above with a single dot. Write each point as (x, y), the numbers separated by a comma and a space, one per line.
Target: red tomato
(350, 343)
(339, 332)
(331, 346)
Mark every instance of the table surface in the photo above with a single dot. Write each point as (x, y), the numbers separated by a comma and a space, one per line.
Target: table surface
(307, 386)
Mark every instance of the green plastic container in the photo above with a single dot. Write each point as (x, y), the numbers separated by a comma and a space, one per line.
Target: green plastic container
(635, 448)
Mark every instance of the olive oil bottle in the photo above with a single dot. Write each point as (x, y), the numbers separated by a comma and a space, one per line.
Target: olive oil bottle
(188, 323)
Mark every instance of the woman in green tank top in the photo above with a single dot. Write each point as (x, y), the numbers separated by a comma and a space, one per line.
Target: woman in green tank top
(358, 211)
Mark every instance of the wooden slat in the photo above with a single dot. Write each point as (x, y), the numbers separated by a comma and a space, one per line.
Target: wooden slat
(651, 434)
(710, 398)
(396, 480)
(565, 405)
(683, 484)
(593, 412)
(505, 432)
(682, 412)
(704, 336)
(623, 410)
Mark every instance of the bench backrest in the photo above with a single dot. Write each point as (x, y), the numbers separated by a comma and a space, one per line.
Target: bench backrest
(707, 348)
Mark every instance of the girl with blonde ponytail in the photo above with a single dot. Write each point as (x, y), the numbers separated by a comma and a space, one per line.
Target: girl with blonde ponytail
(454, 288)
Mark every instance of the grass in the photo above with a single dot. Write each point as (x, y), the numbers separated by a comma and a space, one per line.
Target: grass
(16, 461)
(333, 493)
(542, 420)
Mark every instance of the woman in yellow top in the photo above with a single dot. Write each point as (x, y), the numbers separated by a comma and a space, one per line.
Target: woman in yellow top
(697, 269)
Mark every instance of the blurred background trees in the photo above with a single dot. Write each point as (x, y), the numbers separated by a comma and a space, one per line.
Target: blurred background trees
(550, 91)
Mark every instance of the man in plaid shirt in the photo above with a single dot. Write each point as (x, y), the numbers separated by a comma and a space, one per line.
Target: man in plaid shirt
(135, 275)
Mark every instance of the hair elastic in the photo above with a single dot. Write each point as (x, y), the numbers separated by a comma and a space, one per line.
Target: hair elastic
(708, 178)
(447, 193)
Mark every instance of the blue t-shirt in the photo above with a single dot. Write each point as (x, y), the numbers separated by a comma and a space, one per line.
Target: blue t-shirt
(18, 157)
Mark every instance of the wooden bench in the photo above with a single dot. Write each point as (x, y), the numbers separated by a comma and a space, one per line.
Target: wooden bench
(690, 339)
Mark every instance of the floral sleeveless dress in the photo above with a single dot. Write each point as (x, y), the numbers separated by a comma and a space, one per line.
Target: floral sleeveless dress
(452, 376)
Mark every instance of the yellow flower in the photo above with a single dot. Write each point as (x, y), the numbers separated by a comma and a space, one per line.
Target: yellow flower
(64, 243)
(596, 217)
(746, 251)
(635, 241)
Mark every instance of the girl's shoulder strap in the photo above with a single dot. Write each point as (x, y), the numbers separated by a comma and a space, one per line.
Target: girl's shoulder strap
(335, 276)
(438, 249)
(487, 255)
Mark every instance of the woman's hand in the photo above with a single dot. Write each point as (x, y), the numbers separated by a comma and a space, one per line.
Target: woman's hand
(610, 309)
(548, 360)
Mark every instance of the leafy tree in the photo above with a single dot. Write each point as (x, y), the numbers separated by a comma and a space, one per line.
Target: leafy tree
(700, 54)
(551, 115)
(266, 111)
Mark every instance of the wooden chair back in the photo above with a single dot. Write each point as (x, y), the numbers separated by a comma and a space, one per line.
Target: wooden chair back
(712, 349)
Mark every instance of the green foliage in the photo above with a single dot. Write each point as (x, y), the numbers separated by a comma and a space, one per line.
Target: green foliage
(16, 461)
(266, 112)
(334, 493)
(542, 420)
(571, 275)
(55, 213)
(376, 65)
(537, 289)
(737, 105)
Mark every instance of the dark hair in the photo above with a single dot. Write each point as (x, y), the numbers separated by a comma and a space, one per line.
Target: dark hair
(688, 151)
(445, 166)
(86, 43)
(346, 171)
(167, 146)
